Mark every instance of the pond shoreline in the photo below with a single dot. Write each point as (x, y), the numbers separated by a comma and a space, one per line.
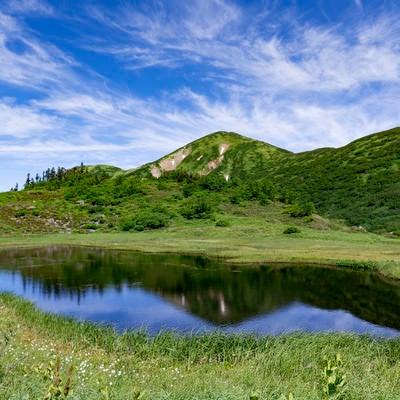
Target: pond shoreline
(199, 293)
(103, 364)
(157, 243)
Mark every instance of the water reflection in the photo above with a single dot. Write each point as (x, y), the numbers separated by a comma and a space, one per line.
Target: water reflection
(191, 293)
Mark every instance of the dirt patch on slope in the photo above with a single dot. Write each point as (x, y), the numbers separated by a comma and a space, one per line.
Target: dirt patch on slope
(170, 163)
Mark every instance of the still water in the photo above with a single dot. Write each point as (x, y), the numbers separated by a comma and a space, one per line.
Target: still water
(186, 294)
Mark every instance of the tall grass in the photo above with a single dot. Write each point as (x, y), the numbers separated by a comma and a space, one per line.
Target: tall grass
(108, 365)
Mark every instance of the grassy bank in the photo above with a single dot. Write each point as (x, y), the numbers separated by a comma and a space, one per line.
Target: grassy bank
(247, 240)
(44, 355)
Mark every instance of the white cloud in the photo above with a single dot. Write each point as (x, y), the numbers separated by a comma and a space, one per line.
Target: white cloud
(29, 63)
(70, 103)
(340, 63)
(208, 19)
(30, 7)
(22, 122)
(7, 23)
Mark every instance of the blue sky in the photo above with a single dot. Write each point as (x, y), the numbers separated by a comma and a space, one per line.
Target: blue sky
(125, 82)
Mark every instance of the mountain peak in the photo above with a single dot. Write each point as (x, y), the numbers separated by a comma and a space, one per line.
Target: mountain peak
(219, 152)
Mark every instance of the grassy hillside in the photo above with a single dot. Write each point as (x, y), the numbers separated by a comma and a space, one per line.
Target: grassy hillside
(216, 178)
(359, 182)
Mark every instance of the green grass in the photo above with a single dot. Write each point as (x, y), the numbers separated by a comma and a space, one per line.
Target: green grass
(107, 365)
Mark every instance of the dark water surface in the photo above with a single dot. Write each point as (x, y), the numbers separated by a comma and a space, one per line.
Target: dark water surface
(188, 293)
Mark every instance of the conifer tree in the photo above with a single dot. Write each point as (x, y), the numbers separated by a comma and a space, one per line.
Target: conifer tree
(28, 180)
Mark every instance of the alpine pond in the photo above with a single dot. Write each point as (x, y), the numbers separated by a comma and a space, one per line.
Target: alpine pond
(193, 294)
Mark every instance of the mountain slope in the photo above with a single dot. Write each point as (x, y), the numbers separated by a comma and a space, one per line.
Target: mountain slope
(228, 153)
(359, 182)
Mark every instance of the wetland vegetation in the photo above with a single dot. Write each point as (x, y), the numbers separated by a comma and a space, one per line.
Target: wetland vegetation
(41, 352)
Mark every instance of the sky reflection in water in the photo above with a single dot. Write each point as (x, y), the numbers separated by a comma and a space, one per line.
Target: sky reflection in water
(134, 291)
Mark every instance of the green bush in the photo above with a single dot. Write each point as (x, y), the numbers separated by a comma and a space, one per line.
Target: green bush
(69, 194)
(90, 225)
(222, 223)
(94, 209)
(291, 229)
(20, 213)
(213, 182)
(262, 190)
(127, 224)
(129, 187)
(301, 210)
(150, 220)
(189, 189)
(197, 207)
(145, 220)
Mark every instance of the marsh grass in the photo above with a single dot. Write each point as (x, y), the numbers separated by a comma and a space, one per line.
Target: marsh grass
(133, 365)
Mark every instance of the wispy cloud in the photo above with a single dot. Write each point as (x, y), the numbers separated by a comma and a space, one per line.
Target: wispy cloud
(29, 7)
(29, 63)
(298, 57)
(21, 122)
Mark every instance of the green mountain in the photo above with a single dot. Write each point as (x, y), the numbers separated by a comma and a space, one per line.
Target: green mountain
(216, 176)
(359, 182)
(228, 154)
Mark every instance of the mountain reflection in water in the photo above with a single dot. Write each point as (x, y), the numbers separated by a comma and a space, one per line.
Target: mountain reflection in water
(184, 292)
